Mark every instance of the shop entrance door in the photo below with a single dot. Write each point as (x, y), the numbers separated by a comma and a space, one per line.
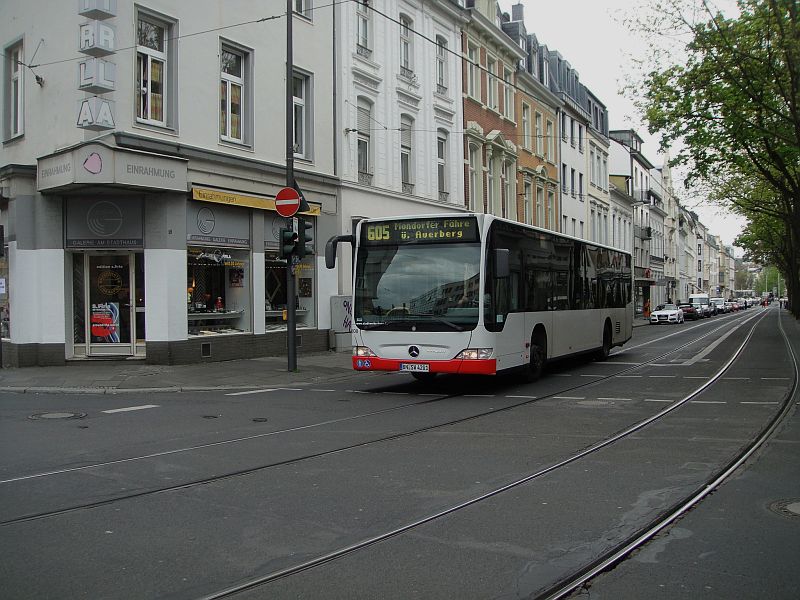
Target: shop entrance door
(110, 307)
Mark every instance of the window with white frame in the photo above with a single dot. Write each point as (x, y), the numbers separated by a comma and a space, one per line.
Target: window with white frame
(14, 92)
(538, 133)
(508, 94)
(303, 8)
(475, 178)
(540, 205)
(232, 94)
(564, 182)
(406, 149)
(580, 138)
(572, 131)
(473, 72)
(564, 126)
(441, 65)
(363, 28)
(301, 98)
(528, 195)
(526, 126)
(551, 141)
(551, 203)
(580, 186)
(406, 48)
(491, 83)
(441, 163)
(491, 193)
(152, 37)
(509, 201)
(363, 123)
(592, 168)
(572, 182)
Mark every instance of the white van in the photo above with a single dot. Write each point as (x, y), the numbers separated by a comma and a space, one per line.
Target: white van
(705, 302)
(720, 304)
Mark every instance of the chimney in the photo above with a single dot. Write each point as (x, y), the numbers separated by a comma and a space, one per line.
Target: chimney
(517, 12)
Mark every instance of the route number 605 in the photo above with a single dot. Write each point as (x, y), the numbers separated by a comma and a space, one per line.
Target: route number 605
(377, 233)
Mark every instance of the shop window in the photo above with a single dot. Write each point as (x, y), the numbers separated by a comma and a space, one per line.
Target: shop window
(218, 290)
(275, 303)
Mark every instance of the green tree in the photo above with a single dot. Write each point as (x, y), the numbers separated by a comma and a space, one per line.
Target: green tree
(731, 110)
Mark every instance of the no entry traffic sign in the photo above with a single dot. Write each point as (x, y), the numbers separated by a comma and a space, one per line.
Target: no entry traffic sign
(287, 201)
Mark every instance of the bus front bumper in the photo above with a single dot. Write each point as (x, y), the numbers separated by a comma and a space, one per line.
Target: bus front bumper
(460, 366)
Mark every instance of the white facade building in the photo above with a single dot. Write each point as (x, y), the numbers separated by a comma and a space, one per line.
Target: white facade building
(140, 175)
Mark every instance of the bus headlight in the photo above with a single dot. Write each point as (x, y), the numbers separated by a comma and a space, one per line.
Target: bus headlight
(362, 351)
(475, 354)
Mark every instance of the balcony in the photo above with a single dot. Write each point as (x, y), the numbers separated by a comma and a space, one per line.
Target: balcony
(408, 188)
(643, 233)
(364, 178)
(441, 89)
(444, 196)
(363, 51)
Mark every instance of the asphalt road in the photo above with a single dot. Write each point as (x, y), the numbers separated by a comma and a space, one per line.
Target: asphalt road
(384, 487)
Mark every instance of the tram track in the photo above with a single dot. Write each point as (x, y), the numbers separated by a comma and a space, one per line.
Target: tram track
(565, 586)
(637, 540)
(396, 436)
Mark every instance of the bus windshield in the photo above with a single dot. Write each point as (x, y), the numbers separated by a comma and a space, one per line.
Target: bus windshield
(419, 287)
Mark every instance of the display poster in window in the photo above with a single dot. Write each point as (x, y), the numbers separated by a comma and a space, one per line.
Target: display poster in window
(304, 287)
(236, 278)
(105, 322)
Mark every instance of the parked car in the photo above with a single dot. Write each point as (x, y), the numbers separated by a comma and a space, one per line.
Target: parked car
(691, 311)
(720, 304)
(666, 313)
(708, 308)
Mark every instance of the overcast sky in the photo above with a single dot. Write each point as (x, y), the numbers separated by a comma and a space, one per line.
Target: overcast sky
(590, 35)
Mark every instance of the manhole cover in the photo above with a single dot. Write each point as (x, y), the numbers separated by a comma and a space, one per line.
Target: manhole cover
(57, 415)
(787, 508)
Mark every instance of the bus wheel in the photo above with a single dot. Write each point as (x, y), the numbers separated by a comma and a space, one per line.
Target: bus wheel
(427, 377)
(605, 350)
(535, 367)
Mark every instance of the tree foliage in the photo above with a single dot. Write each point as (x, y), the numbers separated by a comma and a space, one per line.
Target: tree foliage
(731, 109)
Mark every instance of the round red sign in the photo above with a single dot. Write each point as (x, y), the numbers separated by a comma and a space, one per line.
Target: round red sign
(287, 201)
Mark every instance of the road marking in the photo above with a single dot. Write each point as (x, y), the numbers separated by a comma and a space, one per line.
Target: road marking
(694, 377)
(616, 399)
(263, 391)
(569, 397)
(662, 376)
(587, 375)
(775, 378)
(529, 397)
(744, 402)
(631, 376)
(321, 390)
(479, 395)
(129, 408)
(562, 374)
(708, 402)
(657, 400)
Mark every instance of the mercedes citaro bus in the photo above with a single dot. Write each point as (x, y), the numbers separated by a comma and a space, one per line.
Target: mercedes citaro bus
(477, 294)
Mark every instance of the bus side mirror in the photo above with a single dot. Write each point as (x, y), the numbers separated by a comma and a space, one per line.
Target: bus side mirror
(500, 259)
(330, 248)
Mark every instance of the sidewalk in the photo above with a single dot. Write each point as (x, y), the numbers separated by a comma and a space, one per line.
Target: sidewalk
(109, 376)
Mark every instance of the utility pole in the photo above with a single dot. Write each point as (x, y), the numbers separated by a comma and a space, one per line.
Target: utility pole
(291, 326)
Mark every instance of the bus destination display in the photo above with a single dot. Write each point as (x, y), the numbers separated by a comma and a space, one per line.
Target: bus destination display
(417, 231)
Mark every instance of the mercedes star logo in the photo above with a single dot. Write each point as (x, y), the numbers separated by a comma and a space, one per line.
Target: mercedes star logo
(413, 351)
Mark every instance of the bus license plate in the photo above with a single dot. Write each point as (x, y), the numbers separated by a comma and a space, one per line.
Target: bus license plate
(415, 367)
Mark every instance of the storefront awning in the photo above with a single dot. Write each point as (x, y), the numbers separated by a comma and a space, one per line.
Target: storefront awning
(235, 199)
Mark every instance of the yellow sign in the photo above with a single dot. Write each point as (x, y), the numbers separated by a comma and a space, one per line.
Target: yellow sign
(221, 197)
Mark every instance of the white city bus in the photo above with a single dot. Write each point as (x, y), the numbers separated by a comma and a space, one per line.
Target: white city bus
(476, 294)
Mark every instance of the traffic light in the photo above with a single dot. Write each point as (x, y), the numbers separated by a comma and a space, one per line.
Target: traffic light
(305, 243)
(288, 242)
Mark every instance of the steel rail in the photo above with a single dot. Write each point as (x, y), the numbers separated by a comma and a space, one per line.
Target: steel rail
(639, 539)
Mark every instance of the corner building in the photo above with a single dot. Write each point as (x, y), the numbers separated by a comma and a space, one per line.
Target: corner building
(143, 147)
